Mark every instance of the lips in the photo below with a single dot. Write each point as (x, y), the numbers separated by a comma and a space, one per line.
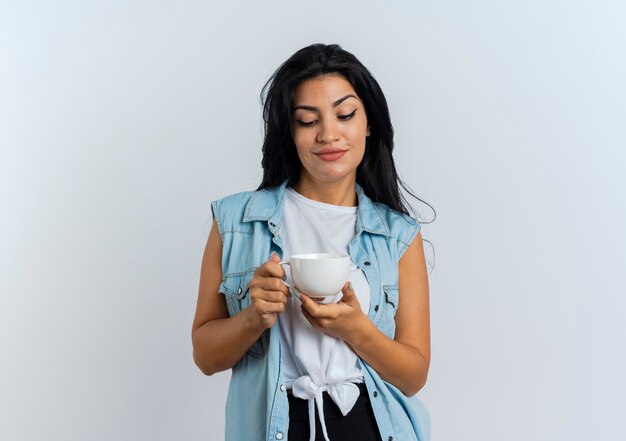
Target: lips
(330, 154)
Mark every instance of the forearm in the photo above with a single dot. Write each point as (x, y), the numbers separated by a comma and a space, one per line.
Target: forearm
(219, 344)
(397, 363)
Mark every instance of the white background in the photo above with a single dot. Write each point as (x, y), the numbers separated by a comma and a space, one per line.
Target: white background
(121, 120)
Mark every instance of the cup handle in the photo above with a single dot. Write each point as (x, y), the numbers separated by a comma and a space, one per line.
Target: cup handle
(294, 290)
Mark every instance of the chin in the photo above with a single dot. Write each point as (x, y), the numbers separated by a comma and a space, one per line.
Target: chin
(336, 177)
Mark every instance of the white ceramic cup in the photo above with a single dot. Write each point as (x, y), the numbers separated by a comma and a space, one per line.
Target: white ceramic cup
(318, 274)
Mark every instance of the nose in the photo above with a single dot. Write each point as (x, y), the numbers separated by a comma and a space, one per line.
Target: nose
(328, 131)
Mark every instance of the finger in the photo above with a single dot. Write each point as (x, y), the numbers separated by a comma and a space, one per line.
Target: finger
(274, 257)
(310, 318)
(269, 295)
(309, 305)
(270, 284)
(349, 295)
(321, 311)
(265, 307)
(271, 268)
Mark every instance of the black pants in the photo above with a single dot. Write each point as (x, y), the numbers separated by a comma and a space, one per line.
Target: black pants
(359, 424)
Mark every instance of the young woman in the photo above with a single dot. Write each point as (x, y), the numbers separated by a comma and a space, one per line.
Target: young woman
(301, 369)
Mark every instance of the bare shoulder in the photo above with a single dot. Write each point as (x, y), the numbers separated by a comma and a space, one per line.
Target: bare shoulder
(413, 258)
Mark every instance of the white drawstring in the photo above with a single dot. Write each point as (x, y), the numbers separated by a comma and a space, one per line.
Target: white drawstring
(343, 394)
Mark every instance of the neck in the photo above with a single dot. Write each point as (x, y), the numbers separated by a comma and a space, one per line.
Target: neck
(342, 193)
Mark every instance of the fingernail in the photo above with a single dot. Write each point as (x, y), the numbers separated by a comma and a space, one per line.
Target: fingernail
(274, 253)
(350, 286)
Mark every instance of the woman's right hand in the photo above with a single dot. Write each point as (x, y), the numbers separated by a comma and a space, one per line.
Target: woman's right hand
(268, 293)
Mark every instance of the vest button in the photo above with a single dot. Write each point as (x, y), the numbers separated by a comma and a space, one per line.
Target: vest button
(375, 394)
(240, 290)
(390, 438)
(367, 263)
(279, 435)
(376, 308)
(283, 388)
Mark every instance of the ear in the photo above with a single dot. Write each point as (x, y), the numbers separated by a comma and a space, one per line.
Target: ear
(368, 131)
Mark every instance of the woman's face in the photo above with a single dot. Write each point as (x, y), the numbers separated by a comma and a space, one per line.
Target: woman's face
(329, 128)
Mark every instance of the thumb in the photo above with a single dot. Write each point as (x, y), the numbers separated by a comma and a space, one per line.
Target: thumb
(274, 257)
(348, 293)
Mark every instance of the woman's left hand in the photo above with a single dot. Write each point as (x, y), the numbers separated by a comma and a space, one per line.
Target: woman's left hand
(341, 319)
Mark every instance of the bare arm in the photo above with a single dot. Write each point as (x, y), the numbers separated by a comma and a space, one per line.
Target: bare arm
(220, 341)
(403, 361)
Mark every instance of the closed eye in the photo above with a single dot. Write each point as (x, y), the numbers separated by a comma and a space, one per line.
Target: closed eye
(305, 124)
(341, 117)
(347, 117)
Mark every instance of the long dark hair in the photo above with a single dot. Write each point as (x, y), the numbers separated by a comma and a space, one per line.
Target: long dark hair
(376, 173)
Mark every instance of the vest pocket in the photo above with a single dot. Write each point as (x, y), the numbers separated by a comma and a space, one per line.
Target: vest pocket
(236, 290)
(386, 322)
(391, 296)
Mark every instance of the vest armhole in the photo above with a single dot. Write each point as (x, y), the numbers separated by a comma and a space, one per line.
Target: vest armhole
(215, 211)
(403, 245)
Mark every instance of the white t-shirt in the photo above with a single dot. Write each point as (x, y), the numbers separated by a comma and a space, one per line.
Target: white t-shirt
(313, 361)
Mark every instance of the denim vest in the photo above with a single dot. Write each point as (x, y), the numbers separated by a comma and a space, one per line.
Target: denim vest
(257, 408)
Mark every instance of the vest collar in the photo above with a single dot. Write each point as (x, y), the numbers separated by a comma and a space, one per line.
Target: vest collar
(267, 205)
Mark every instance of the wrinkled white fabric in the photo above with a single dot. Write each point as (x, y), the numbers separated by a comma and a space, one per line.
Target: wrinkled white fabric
(314, 362)
(343, 394)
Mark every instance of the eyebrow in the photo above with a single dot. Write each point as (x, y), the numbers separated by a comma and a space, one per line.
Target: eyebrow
(335, 104)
